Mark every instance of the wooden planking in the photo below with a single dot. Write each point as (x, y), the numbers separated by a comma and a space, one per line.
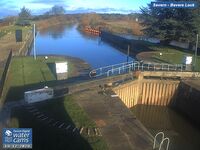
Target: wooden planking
(146, 92)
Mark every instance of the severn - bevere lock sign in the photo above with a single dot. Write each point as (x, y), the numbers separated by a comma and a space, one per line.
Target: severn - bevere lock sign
(17, 138)
(175, 4)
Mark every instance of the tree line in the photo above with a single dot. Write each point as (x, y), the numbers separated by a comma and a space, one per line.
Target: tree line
(170, 24)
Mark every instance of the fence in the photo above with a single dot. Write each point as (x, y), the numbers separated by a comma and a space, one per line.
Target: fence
(5, 71)
(27, 45)
(133, 66)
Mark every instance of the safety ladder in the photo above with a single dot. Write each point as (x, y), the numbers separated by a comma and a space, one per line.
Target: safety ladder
(163, 139)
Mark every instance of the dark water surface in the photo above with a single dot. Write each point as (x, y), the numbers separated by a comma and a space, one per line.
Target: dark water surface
(67, 40)
(182, 133)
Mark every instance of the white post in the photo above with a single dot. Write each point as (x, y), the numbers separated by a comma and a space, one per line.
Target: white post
(128, 51)
(34, 42)
(195, 56)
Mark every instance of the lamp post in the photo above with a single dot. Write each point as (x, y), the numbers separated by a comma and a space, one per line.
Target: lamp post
(128, 53)
(195, 55)
(34, 52)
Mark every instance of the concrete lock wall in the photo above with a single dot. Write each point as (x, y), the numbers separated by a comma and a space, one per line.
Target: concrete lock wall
(148, 92)
(38, 95)
(188, 101)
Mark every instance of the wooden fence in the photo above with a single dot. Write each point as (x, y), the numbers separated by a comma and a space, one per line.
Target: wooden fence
(5, 71)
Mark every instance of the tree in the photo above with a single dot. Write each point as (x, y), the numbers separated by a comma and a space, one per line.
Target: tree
(170, 24)
(24, 17)
(57, 10)
(25, 13)
(92, 19)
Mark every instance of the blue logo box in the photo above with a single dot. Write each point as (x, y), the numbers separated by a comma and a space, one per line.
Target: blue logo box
(174, 4)
(17, 138)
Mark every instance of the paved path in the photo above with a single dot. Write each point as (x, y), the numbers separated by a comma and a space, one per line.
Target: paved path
(118, 126)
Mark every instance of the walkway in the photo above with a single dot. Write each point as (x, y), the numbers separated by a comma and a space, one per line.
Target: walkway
(119, 127)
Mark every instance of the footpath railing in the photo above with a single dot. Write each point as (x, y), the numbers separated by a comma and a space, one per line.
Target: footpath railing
(5, 71)
(127, 67)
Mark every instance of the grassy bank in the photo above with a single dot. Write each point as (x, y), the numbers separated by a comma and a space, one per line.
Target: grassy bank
(27, 74)
(45, 136)
(12, 28)
(173, 55)
(164, 54)
(55, 21)
(8, 41)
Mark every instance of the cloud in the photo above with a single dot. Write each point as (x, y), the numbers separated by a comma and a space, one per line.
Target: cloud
(10, 7)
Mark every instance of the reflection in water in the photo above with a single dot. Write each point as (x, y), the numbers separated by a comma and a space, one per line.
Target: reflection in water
(67, 40)
(55, 32)
(183, 135)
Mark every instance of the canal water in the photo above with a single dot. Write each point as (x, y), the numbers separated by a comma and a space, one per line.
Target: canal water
(182, 133)
(67, 40)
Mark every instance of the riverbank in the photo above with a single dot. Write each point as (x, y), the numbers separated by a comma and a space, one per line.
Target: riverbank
(8, 42)
(167, 54)
(118, 24)
(55, 21)
(25, 74)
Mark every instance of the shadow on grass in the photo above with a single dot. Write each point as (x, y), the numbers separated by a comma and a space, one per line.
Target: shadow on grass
(17, 93)
(52, 68)
(159, 60)
(45, 135)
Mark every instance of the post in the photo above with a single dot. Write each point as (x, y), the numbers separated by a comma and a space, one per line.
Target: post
(195, 55)
(128, 53)
(34, 42)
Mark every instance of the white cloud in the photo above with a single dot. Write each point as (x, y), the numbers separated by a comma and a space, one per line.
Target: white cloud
(39, 6)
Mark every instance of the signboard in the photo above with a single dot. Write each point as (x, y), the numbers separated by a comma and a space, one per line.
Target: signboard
(61, 67)
(188, 60)
(38, 95)
(18, 35)
(17, 138)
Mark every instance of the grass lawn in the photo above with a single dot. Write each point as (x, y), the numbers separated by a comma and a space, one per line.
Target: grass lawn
(170, 54)
(173, 55)
(28, 74)
(11, 29)
(8, 41)
(47, 137)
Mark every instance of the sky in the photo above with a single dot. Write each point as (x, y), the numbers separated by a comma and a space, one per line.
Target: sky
(12, 7)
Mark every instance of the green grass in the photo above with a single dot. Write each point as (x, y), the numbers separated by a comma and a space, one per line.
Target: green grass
(49, 137)
(170, 54)
(11, 29)
(173, 55)
(25, 73)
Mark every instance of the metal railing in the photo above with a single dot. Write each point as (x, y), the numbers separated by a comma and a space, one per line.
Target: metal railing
(127, 67)
(163, 139)
(102, 71)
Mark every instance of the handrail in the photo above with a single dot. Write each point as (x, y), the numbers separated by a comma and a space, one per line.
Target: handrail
(103, 70)
(162, 141)
(161, 144)
(155, 139)
(133, 66)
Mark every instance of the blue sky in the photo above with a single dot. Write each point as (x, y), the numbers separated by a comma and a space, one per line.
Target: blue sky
(10, 7)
